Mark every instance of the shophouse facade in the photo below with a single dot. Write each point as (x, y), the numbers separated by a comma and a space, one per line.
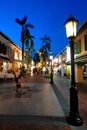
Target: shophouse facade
(10, 54)
(80, 56)
(80, 50)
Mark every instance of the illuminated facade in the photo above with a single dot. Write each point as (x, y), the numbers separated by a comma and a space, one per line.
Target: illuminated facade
(80, 50)
(10, 54)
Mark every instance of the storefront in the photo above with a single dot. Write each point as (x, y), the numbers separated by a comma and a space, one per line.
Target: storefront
(4, 61)
(81, 68)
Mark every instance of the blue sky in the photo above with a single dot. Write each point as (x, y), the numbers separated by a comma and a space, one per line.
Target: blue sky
(47, 16)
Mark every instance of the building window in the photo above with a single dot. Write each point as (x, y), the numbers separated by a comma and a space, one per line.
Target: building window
(2, 48)
(85, 41)
(77, 47)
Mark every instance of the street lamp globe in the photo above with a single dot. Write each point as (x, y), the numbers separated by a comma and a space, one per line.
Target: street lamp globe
(70, 26)
(51, 56)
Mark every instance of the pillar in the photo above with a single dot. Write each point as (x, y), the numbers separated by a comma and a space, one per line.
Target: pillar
(78, 73)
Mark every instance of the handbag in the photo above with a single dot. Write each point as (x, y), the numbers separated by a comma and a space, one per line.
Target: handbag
(21, 80)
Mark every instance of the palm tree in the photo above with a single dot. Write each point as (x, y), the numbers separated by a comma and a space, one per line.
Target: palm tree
(36, 58)
(45, 48)
(24, 33)
(30, 48)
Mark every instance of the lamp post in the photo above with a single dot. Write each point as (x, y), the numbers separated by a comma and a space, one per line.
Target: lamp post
(74, 117)
(51, 57)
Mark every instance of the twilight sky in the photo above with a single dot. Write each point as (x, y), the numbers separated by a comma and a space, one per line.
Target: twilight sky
(47, 16)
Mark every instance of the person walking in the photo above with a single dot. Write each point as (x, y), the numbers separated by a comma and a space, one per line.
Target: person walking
(17, 77)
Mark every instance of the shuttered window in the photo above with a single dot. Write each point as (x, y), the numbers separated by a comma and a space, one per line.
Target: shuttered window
(77, 47)
(85, 41)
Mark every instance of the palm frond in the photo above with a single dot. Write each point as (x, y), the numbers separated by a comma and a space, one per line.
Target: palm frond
(18, 21)
(24, 20)
(29, 25)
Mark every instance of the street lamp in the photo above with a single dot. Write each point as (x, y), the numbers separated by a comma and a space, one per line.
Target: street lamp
(74, 117)
(51, 57)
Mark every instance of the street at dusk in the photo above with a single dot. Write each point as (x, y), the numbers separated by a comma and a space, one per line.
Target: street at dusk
(43, 65)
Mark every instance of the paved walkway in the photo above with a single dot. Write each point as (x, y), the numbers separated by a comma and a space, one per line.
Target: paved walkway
(35, 108)
(41, 101)
(63, 86)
